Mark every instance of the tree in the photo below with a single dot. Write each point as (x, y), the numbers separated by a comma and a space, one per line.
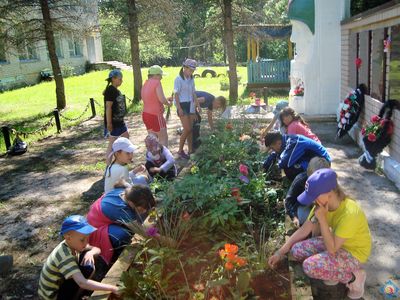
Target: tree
(230, 49)
(133, 29)
(25, 23)
(51, 46)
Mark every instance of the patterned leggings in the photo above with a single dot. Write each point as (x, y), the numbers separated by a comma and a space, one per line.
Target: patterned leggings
(319, 264)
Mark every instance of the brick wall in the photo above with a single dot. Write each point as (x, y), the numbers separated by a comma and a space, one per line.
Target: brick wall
(385, 18)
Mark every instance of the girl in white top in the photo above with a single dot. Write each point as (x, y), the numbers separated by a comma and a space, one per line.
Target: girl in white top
(186, 104)
(122, 150)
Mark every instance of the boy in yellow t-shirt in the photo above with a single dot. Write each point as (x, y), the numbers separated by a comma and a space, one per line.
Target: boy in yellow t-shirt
(343, 239)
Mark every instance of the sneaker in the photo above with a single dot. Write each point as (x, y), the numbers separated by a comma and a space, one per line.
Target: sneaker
(183, 155)
(331, 282)
(356, 288)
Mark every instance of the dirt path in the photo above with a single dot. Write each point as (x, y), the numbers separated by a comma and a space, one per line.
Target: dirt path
(58, 176)
(62, 175)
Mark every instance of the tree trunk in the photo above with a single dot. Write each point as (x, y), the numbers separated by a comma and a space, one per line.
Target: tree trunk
(233, 81)
(60, 92)
(133, 28)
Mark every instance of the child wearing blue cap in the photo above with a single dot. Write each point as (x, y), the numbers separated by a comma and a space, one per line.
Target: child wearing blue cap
(114, 110)
(341, 242)
(61, 275)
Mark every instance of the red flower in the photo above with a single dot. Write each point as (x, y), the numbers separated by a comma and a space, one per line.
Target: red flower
(186, 216)
(229, 266)
(240, 261)
(371, 137)
(358, 62)
(375, 118)
(229, 126)
(235, 192)
(363, 131)
(252, 95)
(244, 169)
(347, 101)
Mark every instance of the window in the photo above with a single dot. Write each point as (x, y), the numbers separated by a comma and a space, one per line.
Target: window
(3, 58)
(27, 52)
(394, 74)
(378, 64)
(74, 47)
(59, 48)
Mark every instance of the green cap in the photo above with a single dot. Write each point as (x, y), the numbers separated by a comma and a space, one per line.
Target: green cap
(156, 70)
(303, 11)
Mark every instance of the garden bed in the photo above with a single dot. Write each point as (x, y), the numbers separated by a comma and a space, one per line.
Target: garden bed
(218, 225)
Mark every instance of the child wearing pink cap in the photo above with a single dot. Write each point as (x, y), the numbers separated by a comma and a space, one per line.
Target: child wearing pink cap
(159, 160)
(341, 242)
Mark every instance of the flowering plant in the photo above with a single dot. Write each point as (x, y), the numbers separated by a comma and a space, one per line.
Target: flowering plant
(375, 129)
(230, 257)
(299, 90)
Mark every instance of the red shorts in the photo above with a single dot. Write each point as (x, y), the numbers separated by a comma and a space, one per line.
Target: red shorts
(154, 122)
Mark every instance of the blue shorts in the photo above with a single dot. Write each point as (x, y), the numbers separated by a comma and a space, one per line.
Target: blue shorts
(186, 107)
(116, 132)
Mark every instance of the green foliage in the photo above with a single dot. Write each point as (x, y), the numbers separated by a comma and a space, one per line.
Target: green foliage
(359, 6)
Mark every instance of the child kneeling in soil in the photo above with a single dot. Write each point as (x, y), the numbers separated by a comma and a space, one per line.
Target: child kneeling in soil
(110, 213)
(297, 212)
(68, 266)
(292, 152)
(122, 150)
(159, 160)
(342, 241)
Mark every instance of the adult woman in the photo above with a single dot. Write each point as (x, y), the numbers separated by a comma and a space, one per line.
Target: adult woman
(125, 203)
(186, 104)
(154, 100)
(343, 241)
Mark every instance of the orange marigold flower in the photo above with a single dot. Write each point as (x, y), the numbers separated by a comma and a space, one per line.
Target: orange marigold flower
(229, 266)
(231, 257)
(230, 248)
(222, 253)
(240, 261)
(229, 126)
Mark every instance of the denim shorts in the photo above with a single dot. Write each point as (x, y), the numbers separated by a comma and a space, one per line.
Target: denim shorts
(116, 132)
(186, 107)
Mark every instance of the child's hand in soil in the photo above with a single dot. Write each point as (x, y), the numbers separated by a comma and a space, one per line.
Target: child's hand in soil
(155, 170)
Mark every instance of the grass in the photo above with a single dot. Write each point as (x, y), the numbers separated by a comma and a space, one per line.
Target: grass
(29, 108)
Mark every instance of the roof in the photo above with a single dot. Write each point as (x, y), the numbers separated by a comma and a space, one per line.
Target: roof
(267, 31)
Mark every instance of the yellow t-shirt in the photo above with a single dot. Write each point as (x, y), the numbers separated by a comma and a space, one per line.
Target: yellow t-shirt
(350, 223)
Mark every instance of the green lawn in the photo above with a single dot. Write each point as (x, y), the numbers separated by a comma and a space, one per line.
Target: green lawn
(27, 109)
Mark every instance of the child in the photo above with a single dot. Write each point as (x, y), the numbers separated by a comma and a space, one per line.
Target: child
(108, 214)
(273, 125)
(186, 104)
(209, 101)
(344, 240)
(154, 101)
(299, 213)
(292, 152)
(114, 110)
(294, 124)
(61, 276)
(122, 150)
(159, 160)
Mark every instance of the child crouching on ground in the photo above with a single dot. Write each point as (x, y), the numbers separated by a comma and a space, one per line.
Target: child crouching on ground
(61, 276)
(341, 242)
(297, 212)
(123, 150)
(159, 160)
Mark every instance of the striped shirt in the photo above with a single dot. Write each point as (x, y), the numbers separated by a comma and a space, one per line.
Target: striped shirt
(60, 265)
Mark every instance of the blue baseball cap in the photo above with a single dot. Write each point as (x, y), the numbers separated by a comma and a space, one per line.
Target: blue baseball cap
(76, 223)
(114, 73)
(320, 182)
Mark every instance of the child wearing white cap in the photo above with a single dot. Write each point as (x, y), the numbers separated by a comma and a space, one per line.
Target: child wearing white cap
(342, 242)
(122, 150)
